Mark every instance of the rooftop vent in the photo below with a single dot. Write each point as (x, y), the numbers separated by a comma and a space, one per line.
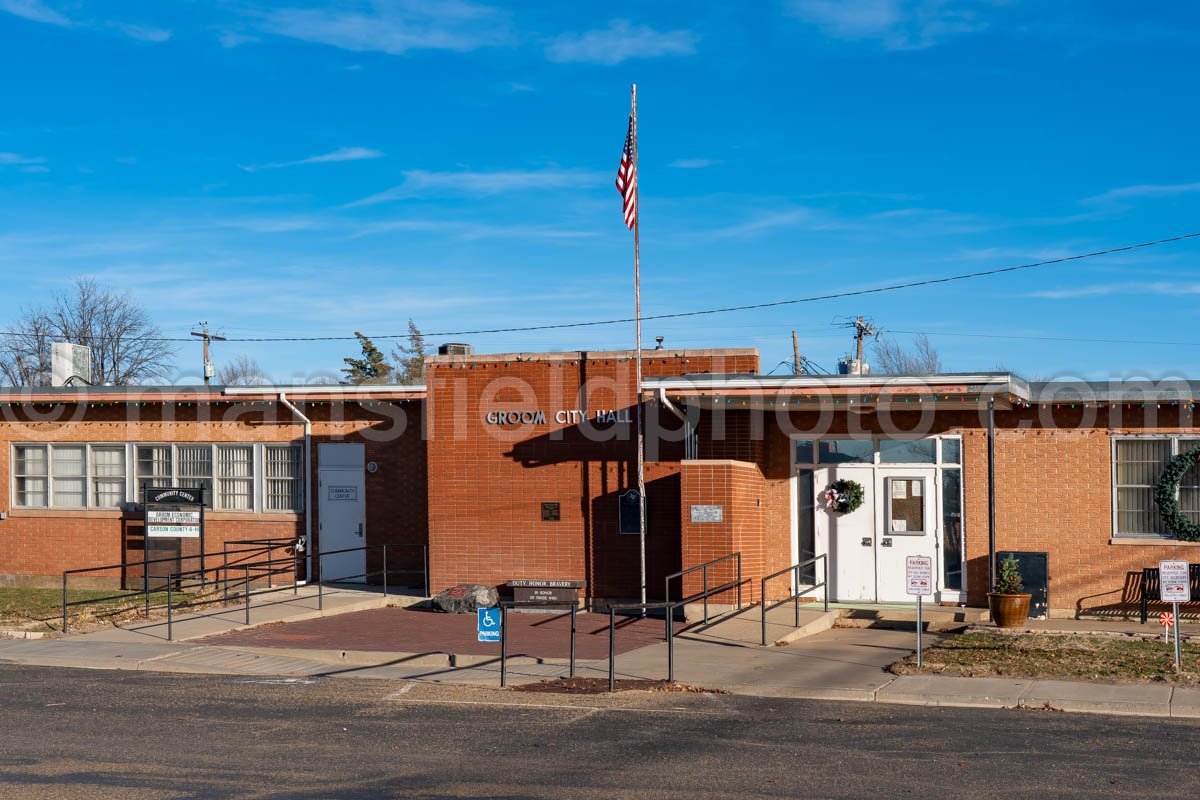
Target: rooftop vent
(455, 349)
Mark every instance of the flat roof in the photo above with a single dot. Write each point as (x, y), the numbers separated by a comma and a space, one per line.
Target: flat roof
(648, 354)
(169, 394)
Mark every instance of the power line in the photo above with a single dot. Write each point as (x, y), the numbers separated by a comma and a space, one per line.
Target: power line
(1045, 338)
(724, 310)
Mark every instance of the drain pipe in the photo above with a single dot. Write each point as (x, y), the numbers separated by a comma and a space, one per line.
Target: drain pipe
(991, 472)
(283, 401)
(665, 402)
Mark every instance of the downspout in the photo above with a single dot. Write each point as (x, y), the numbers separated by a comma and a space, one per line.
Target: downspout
(991, 442)
(664, 401)
(283, 401)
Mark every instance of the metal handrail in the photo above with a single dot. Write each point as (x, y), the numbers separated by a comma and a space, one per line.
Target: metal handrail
(794, 570)
(144, 562)
(507, 604)
(612, 640)
(705, 591)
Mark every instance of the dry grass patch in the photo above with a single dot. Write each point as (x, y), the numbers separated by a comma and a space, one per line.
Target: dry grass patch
(1031, 655)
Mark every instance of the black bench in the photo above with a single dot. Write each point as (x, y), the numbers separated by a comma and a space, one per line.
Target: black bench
(1150, 591)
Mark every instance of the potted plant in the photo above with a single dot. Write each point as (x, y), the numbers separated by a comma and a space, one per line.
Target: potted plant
(1007, 601)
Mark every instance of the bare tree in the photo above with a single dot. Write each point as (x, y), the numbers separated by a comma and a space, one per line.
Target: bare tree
(242, 371)
(890, 358)
(126, 346)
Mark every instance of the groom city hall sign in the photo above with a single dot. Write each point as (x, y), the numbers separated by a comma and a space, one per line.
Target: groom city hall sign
(566, 416)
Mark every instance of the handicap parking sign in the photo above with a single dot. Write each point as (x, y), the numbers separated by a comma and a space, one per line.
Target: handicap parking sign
(489, 624)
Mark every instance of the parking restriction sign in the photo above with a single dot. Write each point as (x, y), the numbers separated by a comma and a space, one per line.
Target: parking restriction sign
(919, 575)
(1173, 582)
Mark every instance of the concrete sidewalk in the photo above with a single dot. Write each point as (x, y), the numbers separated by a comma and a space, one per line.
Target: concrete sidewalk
(829, 664)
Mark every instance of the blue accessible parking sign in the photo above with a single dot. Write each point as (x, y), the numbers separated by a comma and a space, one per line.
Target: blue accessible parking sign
(489, 624)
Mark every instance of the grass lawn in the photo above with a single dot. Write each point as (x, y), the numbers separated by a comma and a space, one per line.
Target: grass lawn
(25, 605)
(1031, 655)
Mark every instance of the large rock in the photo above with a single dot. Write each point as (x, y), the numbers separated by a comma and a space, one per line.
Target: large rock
(466, 598)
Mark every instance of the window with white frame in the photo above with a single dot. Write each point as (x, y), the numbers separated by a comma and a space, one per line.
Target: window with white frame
(31, 470)
(98, 476)
(153, 467)
(1138, 463)
(235, 488)
(194, 469)
(108, 476)
(283, 491)
(68, 466)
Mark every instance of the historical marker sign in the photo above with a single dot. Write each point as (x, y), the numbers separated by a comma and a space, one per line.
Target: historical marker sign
(1173, 583)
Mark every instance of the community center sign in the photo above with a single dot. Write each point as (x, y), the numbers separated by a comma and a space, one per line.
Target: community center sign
(173, 512)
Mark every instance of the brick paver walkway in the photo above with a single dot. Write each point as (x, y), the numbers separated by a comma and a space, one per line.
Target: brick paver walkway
(400, 630)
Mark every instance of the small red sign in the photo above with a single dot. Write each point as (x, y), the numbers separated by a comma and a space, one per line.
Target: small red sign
(1166, 619)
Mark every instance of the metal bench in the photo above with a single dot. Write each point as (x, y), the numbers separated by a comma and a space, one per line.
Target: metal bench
(1149, 593)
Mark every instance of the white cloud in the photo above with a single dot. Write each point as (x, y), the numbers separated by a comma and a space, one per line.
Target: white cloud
(35, 11)
(473, 230)
(896, 24)
(419, 182)
(620, 41)
(143, 33)
(693, 163)
(393, 27)
(1167, 288)
(231, 39)
(18, 160)
(1143, 190)
(341, 154)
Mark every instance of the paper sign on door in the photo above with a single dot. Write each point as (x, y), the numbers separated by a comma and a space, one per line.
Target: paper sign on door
(899, 490)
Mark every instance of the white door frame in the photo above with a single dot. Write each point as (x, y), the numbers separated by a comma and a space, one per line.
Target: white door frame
(933, 474)
(342, 505)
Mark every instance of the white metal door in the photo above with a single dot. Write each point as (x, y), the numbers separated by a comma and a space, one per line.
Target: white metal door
(849, 539)
(908, 521)
(341, 498)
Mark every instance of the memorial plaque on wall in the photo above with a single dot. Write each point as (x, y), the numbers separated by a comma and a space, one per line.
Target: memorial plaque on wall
(708, 513)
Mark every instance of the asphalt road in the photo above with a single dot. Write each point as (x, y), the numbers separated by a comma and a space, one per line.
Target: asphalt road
(82, 733)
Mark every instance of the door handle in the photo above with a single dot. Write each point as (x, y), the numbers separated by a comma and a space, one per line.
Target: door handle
(886, 542)
(866, 541)
(360, 530)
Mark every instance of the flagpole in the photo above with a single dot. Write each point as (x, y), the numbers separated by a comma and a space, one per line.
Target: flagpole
(637, 313)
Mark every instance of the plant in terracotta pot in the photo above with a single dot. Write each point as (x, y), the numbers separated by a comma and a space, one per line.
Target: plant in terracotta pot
(1007, 601)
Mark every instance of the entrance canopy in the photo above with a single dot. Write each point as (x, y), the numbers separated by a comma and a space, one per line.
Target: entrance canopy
(961, 391)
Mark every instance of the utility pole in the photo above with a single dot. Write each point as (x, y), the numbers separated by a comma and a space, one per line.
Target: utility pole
(862, 329)
(207, 337)
(795, 354)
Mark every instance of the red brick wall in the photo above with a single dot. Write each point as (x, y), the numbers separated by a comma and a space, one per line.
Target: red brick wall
(36, 543)
(737, 487)
(487, 482)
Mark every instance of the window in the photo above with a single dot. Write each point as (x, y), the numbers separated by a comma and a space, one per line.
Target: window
(906, 506)
(951, 451)
(69, 468)
(235, 490)
(907, 451)
(108, 476)
(153, 467)
(1138, 464)
(283, 478)
(952, 522)
(846, 451)
(195, 469)
(30, 470)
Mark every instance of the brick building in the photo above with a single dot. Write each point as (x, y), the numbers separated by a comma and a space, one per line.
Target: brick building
(521, 465)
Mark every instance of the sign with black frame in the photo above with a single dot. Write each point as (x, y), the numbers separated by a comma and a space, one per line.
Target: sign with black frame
(174, 512)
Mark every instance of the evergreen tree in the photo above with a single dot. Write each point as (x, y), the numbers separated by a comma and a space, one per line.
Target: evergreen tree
(371, 368)
(410, 358)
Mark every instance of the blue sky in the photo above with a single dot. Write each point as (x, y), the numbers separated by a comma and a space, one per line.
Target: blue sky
(312, 168)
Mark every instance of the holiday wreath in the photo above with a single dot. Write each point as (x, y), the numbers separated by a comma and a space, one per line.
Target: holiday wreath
(844, 495)
(1167, 496)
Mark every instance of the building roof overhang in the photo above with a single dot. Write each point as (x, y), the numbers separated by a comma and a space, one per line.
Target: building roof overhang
(107, 395)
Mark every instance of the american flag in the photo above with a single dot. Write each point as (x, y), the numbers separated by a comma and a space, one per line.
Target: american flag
(627, 178)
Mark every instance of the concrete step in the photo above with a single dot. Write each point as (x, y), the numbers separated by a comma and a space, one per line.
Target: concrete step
(936, 619)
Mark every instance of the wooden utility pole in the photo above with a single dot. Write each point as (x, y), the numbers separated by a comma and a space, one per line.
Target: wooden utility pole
(207, 337)
(862, 329)
(795, 354)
